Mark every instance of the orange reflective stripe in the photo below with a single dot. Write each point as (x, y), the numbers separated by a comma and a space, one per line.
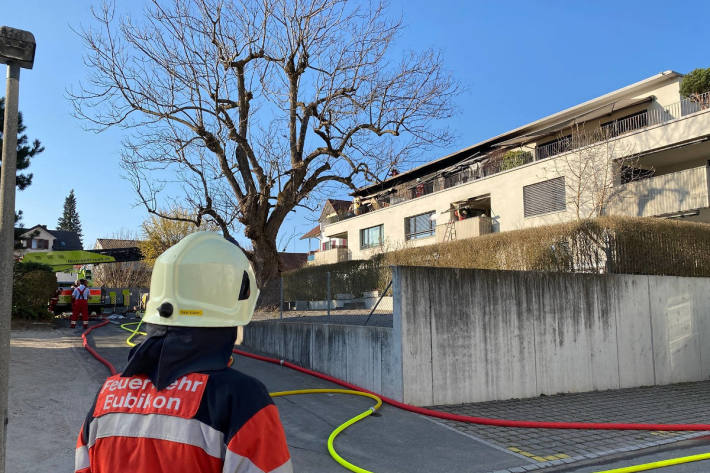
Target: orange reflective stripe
(261, 440)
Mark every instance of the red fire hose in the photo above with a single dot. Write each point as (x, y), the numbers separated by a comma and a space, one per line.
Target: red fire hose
(94, 352)
(484, 420)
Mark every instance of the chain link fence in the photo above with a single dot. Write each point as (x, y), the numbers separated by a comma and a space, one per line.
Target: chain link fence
(354, 292)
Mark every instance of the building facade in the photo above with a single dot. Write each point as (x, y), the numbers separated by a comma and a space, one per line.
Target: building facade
(40, 238)
(642, 150)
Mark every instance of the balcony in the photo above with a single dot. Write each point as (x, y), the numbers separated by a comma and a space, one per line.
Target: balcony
(503, 160)
(335, 255)
(467, 228)
(655, 115)
(667, 194)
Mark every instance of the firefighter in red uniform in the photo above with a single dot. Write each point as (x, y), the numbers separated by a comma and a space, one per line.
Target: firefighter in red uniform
(80, 296)
(71, 295)
(178, 407)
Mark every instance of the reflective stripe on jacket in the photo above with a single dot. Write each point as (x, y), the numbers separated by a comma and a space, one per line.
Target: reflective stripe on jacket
(222, 421)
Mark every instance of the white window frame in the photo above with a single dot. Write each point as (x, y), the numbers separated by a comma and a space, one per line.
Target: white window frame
(417, 234)
(364, 246)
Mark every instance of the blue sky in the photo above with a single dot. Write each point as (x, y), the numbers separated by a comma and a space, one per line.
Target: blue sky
(517, 60)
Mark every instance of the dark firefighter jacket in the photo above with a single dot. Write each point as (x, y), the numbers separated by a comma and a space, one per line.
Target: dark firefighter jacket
(178, 408)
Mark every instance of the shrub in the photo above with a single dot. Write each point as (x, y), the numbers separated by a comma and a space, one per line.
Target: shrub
(33, 285)
(607, 244)
(512, 159)
(625, 245)
(695, 83)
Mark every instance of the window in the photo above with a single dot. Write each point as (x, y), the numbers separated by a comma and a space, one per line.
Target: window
(371, 237)
(421, 189)
(419, 226)
(38, 244)
(544, 197)
(333, 243)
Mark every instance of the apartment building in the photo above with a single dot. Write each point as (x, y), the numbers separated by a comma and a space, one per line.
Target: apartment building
(642, 150)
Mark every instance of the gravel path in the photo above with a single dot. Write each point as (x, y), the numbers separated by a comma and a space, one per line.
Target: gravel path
(52, 385)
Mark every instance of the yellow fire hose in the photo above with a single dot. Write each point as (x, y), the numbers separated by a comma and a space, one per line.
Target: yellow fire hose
(134, 332)
(343, 426)
(378, 404)
(659, 464)
(331, 439)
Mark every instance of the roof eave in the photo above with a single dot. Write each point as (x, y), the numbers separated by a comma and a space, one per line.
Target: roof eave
(544, 121)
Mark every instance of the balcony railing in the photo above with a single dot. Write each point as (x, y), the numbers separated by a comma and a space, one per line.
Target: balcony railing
(466, 228)
(334, 255)
(667, 194)
(655, 115)
(494, 163)
(558, 146)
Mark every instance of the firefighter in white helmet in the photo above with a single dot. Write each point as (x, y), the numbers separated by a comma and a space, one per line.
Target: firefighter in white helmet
(178, 407)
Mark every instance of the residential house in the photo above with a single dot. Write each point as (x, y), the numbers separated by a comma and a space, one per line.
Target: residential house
(40, 238)
(642, 150)
(334, 248)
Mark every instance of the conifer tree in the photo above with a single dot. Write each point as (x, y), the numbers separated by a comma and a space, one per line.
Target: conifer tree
(69, 220)
(25, 151)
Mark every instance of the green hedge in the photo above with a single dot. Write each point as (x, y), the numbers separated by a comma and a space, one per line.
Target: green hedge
(33, 285)
(607, 244)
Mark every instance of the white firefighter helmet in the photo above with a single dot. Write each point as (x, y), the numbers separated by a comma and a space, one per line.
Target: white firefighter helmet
(202, 281)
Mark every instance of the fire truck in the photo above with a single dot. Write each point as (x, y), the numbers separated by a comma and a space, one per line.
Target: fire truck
(77, 261)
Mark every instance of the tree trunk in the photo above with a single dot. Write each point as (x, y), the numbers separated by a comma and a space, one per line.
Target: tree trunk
(265, 259)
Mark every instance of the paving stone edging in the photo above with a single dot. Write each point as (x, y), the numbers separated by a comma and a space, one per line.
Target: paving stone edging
(591, 456)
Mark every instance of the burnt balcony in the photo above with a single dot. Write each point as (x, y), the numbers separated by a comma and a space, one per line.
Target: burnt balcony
(495, 162)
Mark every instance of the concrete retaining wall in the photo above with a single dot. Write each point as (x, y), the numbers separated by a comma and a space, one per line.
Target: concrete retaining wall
(366, 356)
(477, 335)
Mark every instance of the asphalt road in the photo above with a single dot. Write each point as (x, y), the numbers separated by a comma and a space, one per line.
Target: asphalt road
(394, 441)
(53, 380)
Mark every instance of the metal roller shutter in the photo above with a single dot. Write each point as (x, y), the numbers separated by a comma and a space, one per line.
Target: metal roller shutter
(544, 197)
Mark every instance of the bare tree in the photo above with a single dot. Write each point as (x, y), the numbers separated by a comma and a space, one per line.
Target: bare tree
(593, 164)
(241, 109)
(128, 274)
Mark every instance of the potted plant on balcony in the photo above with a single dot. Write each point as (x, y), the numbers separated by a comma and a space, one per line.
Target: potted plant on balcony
(696, 86)
(515, 158)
